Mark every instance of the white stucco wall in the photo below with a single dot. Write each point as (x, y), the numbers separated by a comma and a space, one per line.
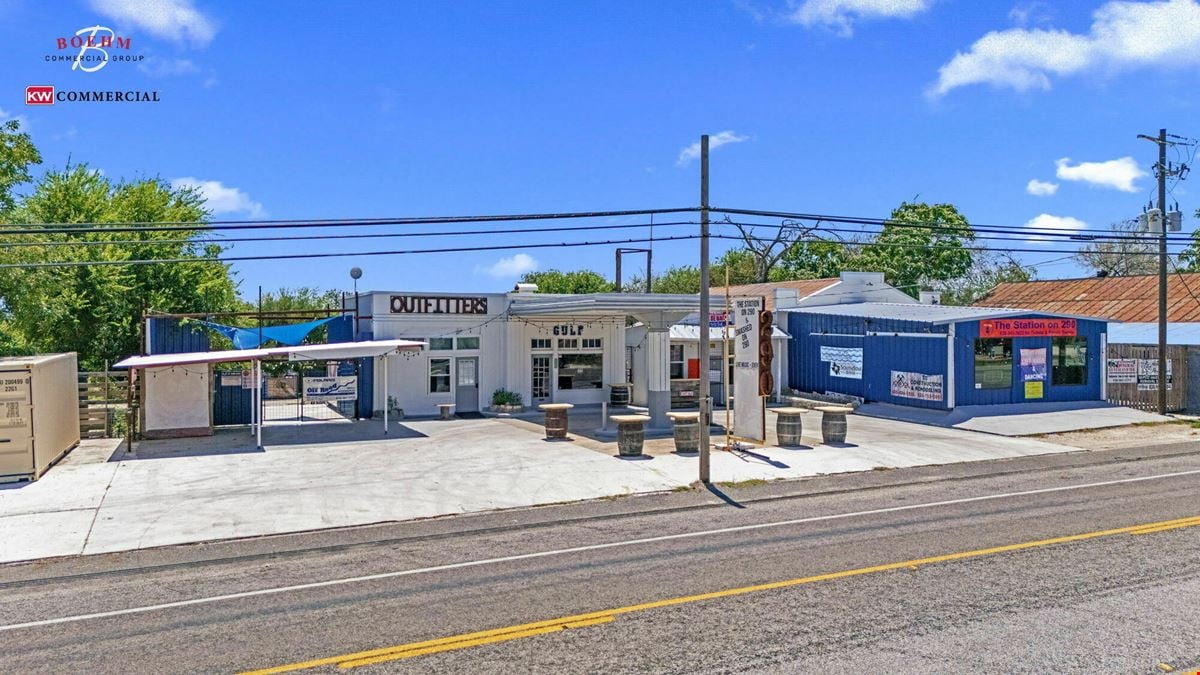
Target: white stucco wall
(176, 397)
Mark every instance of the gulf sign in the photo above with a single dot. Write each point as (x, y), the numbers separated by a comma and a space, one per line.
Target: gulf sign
(1002, 328)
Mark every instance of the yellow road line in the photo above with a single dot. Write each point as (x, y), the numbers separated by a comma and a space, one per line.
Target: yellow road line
(466, 640)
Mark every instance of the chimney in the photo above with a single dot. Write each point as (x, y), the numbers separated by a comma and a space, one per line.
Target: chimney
(931, 298)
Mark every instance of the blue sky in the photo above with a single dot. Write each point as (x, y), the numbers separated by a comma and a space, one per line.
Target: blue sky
(376, 109)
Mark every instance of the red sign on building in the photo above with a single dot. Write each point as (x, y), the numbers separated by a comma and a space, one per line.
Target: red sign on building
(1002, 328)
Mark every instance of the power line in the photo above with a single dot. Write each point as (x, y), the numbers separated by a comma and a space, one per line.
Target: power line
(323, 237)
(299, 256)
(169, 226)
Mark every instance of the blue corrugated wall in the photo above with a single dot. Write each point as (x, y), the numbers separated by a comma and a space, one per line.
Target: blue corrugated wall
(172, 336)
(885, 354)
(964, 365)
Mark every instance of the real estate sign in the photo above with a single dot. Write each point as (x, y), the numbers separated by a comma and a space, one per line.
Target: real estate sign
(1122, 371)
(749, 413)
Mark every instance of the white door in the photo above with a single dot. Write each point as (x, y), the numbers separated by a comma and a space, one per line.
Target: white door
(540, 380)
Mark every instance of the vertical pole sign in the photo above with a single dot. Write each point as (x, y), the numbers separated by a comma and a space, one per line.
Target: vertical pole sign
(749, 415)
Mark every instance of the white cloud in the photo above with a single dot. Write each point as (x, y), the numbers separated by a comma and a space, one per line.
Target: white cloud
(714, 141)
(512, 266)
(1118, 174)
(1041, 188)
(841, 14)
(1123, 35)
(1045, 222)
(176, 20)
(220, 198)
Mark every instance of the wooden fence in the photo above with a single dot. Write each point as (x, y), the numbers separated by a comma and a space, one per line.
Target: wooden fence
(103, 403)
(1137, 386)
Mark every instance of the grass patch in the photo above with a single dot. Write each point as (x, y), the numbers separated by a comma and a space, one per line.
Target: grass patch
(753, 482)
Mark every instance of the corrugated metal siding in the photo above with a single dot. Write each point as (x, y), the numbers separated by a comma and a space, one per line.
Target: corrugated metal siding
(881, 355)
(231, 404)
(341, 329)
(172, 336)
(964, 366)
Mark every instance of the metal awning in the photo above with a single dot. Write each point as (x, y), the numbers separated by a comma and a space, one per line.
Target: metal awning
(621, 304)
(334, 352)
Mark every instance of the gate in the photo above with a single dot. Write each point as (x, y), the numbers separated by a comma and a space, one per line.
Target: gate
(310, 391)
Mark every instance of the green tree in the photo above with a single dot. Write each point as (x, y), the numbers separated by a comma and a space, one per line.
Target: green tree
(987, 272)
(303, 298)
(577, 281)
(920, 246)
(682, 280)
(17, 155)
(1189, 258)
(819, 259)
(96, 308)
(1131, 254)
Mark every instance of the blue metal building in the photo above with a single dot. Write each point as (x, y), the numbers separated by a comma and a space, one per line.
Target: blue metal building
(938, 356)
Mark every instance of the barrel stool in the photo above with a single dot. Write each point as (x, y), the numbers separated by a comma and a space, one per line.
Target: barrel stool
(833, 423)
(556, 418)
(788, 426)
(685, 427)
(631, 434)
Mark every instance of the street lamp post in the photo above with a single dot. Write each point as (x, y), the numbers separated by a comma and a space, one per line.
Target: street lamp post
(355, 274)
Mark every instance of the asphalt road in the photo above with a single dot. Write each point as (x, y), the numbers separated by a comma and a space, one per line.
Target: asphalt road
(1045, 565)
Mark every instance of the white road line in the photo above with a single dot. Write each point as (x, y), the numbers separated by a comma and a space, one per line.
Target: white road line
(575, 549)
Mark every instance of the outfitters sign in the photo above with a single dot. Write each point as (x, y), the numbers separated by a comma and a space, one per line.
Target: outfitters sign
(422, 304)
(1002, 328)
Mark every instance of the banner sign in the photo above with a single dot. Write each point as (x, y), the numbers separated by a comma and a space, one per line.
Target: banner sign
(1033, 365)
(844, 361)
(718, 320)
(1147, 375)
(1001, 328)
(343, 388)
(917, 385)
(749, 413)
(1122, 371)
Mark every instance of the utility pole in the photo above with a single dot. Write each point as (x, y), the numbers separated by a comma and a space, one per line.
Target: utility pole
(1161, 171)
(705, 387)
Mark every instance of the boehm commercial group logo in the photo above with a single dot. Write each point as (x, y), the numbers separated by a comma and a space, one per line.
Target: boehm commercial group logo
(93, 48)
(44, 94)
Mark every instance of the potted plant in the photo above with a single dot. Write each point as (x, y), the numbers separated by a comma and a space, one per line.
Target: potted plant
(505, 401)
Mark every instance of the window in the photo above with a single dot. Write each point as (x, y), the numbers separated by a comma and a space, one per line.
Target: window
(1068, 360)
(568, 343)
(993, 363)
(540, 343)
(677, 364)
(581, 371)
(439, 376)
(468, 343)
(441, 344)
(591, 343)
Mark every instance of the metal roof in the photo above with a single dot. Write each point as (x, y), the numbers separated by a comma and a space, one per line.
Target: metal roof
(1132, 298)
(803, 287)
(1146, 333)
(934, 314)
(335, 350)
(604, 303)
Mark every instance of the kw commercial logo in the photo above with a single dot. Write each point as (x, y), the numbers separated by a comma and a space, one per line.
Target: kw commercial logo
(94, 44)
(45, 95)
(39, 95)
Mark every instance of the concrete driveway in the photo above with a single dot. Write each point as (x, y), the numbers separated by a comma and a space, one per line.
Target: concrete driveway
(313, 476)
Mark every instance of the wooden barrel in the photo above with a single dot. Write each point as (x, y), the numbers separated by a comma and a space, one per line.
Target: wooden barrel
(833, 427)
(788, 428)
(630, 438)
(619, 395)
(556, 424)
(687, 435)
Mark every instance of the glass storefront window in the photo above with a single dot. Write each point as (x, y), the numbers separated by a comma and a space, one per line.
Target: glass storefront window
(441, 344)
(993, 363)
(468, 343)
(540, 343)
(591, 343)
(1068, 361)
(581, 371)
(439, 376)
